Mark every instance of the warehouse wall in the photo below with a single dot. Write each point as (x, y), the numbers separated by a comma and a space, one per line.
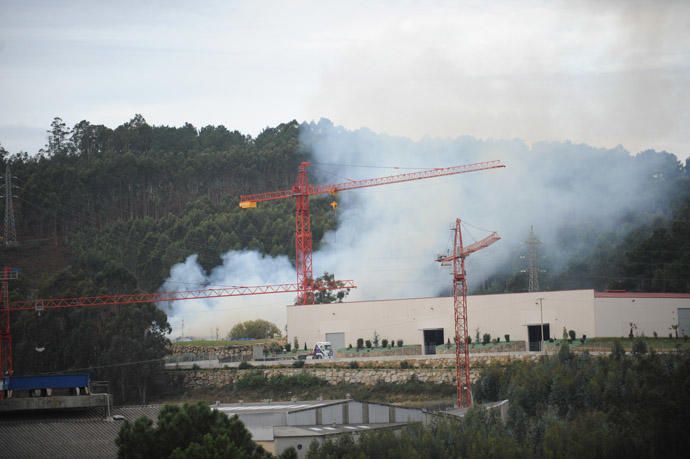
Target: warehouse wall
(614, 315)
(407, 318)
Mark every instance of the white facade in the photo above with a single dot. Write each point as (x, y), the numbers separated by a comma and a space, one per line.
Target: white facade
(587, 312)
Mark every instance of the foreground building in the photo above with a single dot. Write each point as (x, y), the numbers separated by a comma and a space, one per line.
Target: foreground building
(429, 321)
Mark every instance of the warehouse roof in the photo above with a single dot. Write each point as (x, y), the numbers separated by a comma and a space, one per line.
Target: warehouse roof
(273, 407)
(323, 430)
(65, 434)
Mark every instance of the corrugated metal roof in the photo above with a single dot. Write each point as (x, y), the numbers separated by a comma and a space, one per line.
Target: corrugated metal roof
(66, 434)
(274, 407)
(323, 430)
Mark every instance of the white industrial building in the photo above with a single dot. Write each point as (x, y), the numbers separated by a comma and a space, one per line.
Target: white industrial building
(429, 321)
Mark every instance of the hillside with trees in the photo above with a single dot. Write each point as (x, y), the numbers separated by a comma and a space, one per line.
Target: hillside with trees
(102, 210)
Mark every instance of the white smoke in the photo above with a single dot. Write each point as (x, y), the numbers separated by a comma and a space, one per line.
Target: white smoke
(248, 268)
(388, 237)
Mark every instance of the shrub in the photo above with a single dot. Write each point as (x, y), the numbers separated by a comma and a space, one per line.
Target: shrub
(376, 339)
(251, 380)
(469, 340)
(639, 346)
(656, 335)
(486, 338)
(400, 343)
(498, 339)
(288, 347)
(295, 343)
(564, 353)
(360, 343)
(367, 343)
(572, 335)
(405, 365)
(392, 343)
(583, 339)
(349, 346)
(305, 346)
(298, 364)
(244, 365)
(617, 352)
(353, 364)
(507, 337)
(384, 343)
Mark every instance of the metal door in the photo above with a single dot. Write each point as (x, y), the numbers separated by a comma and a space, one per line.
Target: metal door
(337, 340)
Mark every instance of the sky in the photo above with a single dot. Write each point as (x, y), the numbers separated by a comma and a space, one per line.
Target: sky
(602, 73)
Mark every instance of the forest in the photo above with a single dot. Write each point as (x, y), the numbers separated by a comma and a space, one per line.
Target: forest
(563, 406)
(101, 210)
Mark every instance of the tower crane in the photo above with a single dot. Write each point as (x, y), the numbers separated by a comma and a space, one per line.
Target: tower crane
(302, 190)
(462, 350)
(6, 363)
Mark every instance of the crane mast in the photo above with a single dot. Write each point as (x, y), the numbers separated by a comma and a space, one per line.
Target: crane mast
(462, 349)
(302, 190)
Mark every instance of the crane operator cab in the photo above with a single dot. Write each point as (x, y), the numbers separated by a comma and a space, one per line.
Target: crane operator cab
(323, 350)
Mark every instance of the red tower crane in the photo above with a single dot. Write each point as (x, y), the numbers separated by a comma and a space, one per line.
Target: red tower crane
(6, 363)
(462, 350)
(302, 190)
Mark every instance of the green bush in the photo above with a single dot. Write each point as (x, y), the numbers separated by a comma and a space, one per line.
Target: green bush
(367, 343)
(251, 380)
(639, 346)
(572, 335)
(507, 337)
(353, 364)
(360, 343)
(244, 365)
(405, 365)
(384, 343)
(486, 338)
(288, 347)
(298, 364)
(400, 343)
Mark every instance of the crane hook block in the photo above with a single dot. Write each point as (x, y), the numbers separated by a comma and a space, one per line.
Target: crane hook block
(248, 204)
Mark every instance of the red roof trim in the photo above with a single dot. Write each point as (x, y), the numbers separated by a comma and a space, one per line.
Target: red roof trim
(619, 294)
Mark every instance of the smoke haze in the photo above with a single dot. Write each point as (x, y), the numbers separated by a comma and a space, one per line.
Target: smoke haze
(388, 237)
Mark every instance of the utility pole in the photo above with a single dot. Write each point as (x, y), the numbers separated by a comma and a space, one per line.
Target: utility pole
(10, 233)
(541, 321)
(533, 244)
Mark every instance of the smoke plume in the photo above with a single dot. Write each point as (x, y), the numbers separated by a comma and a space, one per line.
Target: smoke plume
(388, 237)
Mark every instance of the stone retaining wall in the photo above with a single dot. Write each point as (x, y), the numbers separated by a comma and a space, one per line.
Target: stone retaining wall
(229, 353)
(433, 371)
(415, 349)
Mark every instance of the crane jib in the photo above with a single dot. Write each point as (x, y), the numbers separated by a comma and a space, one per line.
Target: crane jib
(250, 200)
